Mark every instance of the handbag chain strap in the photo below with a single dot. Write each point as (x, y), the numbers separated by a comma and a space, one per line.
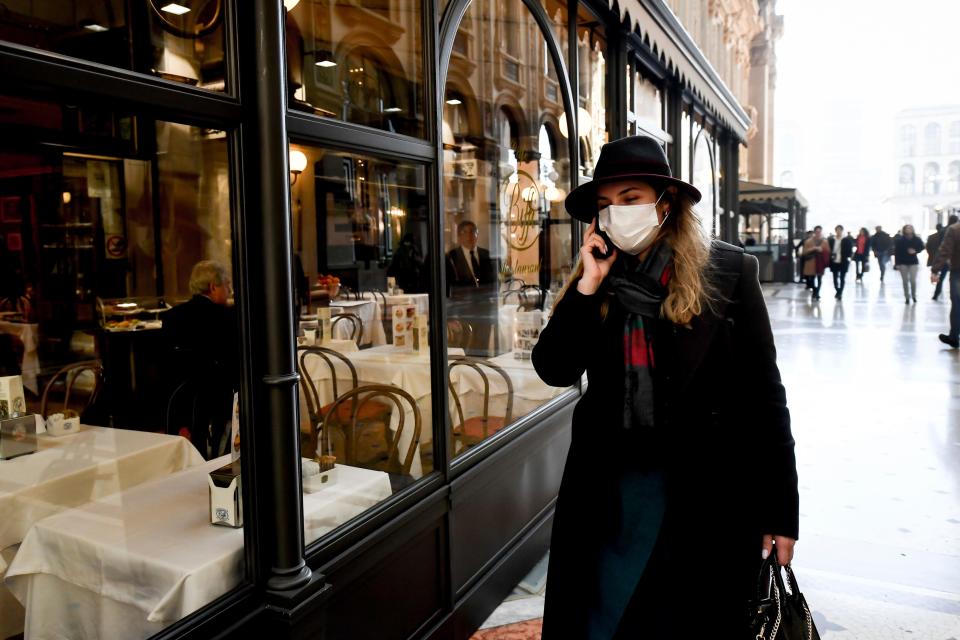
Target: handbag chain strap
(776, 623)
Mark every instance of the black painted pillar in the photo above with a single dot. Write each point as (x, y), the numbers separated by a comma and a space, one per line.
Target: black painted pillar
(270, 291)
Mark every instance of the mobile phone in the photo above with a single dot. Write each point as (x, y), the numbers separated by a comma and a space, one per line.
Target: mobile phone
(597, 253)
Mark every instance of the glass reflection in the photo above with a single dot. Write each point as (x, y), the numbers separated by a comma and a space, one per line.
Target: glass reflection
(508, 241)
(181, 41)
(363, 279)
(360, 62)
(592, 114)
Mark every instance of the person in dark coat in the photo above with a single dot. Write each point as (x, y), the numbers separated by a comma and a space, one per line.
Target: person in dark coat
(675, 486)
(467, 264)
(841, 250)
(882, 246)
(203, 363)
(907, 246)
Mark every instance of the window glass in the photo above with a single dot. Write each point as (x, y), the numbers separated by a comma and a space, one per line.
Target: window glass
(686, 149)
(592, 114)
(116, 317)
(180, 40)
(907, 180)
(507, 239)
(931, 178)
(705, 179)
(645, 109)
(357, 61)
(363, 279)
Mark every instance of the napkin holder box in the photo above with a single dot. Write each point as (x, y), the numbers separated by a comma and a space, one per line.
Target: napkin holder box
(12, 403)
(226, 501)
(18, 437)
(319, 481)
(59, 425)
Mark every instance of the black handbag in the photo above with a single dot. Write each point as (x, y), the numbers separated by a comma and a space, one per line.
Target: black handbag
(778, 614)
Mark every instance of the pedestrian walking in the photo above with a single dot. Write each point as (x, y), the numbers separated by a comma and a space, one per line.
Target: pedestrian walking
(861, 253)
(657, 316)
(907, 246)
(816, 257)
(948, 255)
(933, 247)
(882, 246)
(841, 251)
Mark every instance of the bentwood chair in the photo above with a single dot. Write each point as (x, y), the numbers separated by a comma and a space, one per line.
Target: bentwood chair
(468, 432)
(66, 379)
(353, 323)
(357, 431)
(316, 412)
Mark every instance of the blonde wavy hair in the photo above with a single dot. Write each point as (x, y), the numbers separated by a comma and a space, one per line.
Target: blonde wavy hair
(690, 290)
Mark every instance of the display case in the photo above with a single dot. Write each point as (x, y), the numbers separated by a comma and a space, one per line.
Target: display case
(131, 314)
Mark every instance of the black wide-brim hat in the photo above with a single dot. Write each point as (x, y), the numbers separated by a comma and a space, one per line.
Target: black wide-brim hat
(634, 157)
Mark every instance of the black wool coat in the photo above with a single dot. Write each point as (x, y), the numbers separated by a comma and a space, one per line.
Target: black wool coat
(723, 441)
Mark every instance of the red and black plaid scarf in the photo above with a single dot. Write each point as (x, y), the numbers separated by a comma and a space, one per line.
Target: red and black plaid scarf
(640, 289)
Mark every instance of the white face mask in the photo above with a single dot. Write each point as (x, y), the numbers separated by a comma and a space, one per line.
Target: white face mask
(633, 227)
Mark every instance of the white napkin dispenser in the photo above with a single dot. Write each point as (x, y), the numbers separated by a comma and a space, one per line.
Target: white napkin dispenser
(226, 501)
(18, 437)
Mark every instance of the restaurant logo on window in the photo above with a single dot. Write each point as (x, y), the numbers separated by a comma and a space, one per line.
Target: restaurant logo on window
(520, 202)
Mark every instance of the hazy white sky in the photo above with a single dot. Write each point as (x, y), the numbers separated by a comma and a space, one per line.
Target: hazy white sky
(844, 68)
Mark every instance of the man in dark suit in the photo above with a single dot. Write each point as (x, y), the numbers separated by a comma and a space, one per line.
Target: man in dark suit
(467, 264)
(841, 250)
(203, 367)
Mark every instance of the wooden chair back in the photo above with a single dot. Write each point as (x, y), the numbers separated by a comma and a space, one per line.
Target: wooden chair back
(369, 441)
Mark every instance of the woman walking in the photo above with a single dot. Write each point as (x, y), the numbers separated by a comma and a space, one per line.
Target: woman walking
(861, 253)
(671, 483)
(905, 251)
(816, 257)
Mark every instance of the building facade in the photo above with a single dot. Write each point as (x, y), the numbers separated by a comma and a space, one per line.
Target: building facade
(399, 163)
(927, 166)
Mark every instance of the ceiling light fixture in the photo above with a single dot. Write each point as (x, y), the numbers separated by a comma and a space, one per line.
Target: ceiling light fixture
(454, 101)
(326, 63)
(175, 9)
(95, 28)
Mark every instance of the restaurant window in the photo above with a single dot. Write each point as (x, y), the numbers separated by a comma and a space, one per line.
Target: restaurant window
(931, 139)
(931, 178)
(362, 273)
(686, 149)
(644, 105)
(181, 41)
(592, 99)
(357, 61)
(507, 240)
(907, 180)
(116, 314)
(705, 179)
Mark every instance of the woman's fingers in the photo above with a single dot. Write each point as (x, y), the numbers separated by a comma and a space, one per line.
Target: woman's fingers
(784, 549)
(767, 547)
(782, 544)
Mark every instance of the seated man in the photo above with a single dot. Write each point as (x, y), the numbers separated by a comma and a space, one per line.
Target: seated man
(203, 365)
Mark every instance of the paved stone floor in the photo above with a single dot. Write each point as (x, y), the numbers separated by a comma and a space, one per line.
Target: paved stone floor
(875, 399)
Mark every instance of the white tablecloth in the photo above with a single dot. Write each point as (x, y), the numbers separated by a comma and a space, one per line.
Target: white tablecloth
(29, 335)
(529, 391)
(369, 315)
(70, 471)
(130, 564)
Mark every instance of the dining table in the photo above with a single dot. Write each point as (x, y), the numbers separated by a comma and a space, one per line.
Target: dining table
(71, 470)
(129, 564)
(28, 333)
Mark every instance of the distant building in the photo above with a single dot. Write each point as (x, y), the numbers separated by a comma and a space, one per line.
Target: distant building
(927, 165)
